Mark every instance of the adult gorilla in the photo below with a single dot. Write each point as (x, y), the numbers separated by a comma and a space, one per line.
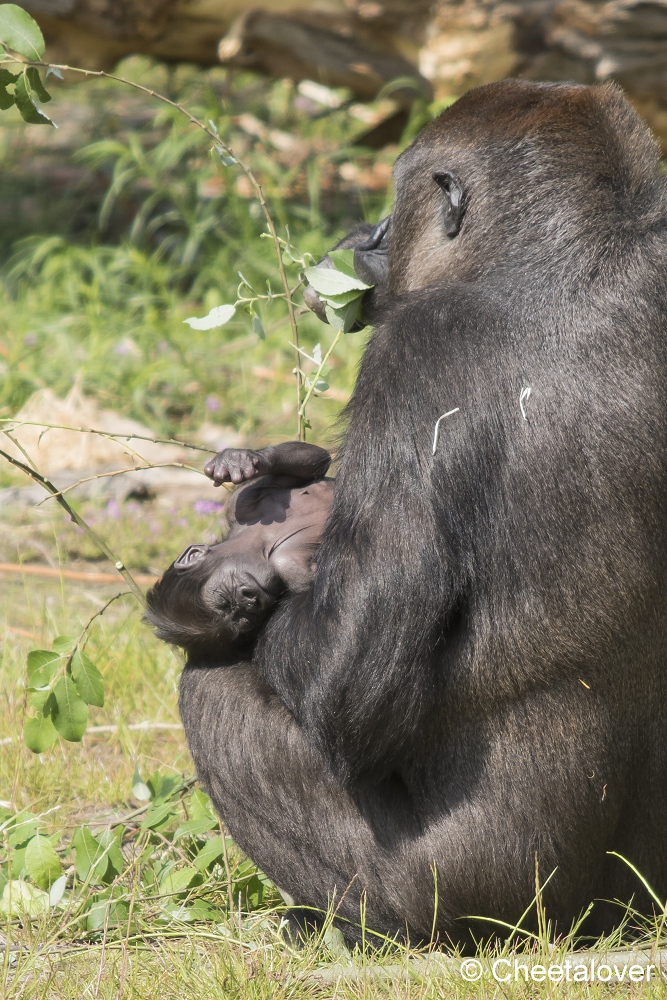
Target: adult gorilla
(478, 677)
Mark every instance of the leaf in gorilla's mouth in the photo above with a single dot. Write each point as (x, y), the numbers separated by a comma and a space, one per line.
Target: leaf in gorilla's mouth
(340, 289)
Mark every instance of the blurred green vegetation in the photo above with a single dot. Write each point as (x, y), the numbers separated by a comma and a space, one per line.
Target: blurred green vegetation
(119, 225)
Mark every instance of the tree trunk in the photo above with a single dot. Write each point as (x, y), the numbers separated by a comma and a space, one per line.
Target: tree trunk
(365, 44)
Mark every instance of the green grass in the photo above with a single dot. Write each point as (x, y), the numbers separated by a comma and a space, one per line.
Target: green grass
(113, 230)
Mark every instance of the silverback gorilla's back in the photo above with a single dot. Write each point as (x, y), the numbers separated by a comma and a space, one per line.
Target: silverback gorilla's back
(478, 677)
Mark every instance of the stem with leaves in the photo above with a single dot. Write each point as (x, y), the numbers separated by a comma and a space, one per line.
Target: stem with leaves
(227, 156)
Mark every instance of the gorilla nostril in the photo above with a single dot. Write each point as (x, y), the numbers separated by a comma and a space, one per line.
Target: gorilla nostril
(248, 593)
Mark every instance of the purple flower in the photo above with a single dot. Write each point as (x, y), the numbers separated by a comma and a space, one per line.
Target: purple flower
(30, 339)
(212, 403)
(207, 507)
(113, 509)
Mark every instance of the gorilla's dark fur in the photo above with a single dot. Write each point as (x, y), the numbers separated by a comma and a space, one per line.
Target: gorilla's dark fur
(479, 674)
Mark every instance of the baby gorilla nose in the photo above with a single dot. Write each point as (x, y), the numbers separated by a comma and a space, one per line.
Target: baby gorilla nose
(248, 594)
(253, 595)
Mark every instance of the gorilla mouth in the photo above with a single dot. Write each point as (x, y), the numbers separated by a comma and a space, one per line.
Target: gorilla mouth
(371, 257)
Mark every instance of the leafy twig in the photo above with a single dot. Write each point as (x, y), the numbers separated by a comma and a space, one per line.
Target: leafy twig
(316, 376)
(228, 156)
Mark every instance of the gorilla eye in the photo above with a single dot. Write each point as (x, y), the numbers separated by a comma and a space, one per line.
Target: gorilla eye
(454, 207)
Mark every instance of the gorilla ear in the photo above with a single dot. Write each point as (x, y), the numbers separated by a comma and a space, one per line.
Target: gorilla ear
(454, 208)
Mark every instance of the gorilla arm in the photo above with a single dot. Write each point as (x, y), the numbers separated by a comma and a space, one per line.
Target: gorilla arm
(354, 659)
(292, 460)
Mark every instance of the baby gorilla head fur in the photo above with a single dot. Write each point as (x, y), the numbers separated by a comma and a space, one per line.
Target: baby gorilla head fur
(211, 599)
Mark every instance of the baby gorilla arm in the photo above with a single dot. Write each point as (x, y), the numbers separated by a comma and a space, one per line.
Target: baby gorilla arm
(293, 460)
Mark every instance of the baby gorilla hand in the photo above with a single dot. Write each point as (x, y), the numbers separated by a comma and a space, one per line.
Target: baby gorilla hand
(236, 465)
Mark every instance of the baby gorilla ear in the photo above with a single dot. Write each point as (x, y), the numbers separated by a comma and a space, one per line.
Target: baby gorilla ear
(454, 207)
(193, 554)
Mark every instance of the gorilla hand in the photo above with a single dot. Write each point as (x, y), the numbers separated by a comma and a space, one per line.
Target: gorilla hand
(236, 465)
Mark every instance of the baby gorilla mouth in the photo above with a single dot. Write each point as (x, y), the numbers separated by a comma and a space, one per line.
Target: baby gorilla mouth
(241, 599)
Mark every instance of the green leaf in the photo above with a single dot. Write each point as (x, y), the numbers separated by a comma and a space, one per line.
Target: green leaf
(158, 816)
(39, 734)
(18, 31)
(64, 643)
(179, 881)
(71, 713)
(210, 852)
(88, 679)
(198, 909)
(258, 328)
(23, 828)
(343, 260)
(57, 890)
(345, 317)
(200, 805)
(21, 899)
(41, 666)
(35, 82)
(195, 827)
(164, 786)
(6, 99)
(326, 281)
(24, 102)
(112, 839)
(218, 316)
(140, 789)
(88, 856)
(38, 700)
(227, 159)
(42, 862)
(104, 912)
(16, 864)
(343, 299)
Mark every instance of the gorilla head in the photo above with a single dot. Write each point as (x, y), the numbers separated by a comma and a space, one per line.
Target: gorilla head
(213, 597)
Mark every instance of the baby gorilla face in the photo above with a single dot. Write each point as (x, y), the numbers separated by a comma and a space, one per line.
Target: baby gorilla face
(213, 596)
(239, 588)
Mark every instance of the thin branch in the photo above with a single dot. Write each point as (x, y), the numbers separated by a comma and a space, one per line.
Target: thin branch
(112, 435)
(76, 517)
(315, 377)
(120, 472)
(67, 574)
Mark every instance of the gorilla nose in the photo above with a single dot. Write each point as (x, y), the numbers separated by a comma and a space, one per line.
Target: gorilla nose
(248, 594)
(375, 239)
(253, 594)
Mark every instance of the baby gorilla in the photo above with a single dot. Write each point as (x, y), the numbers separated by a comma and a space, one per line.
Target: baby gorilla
(215, 597)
